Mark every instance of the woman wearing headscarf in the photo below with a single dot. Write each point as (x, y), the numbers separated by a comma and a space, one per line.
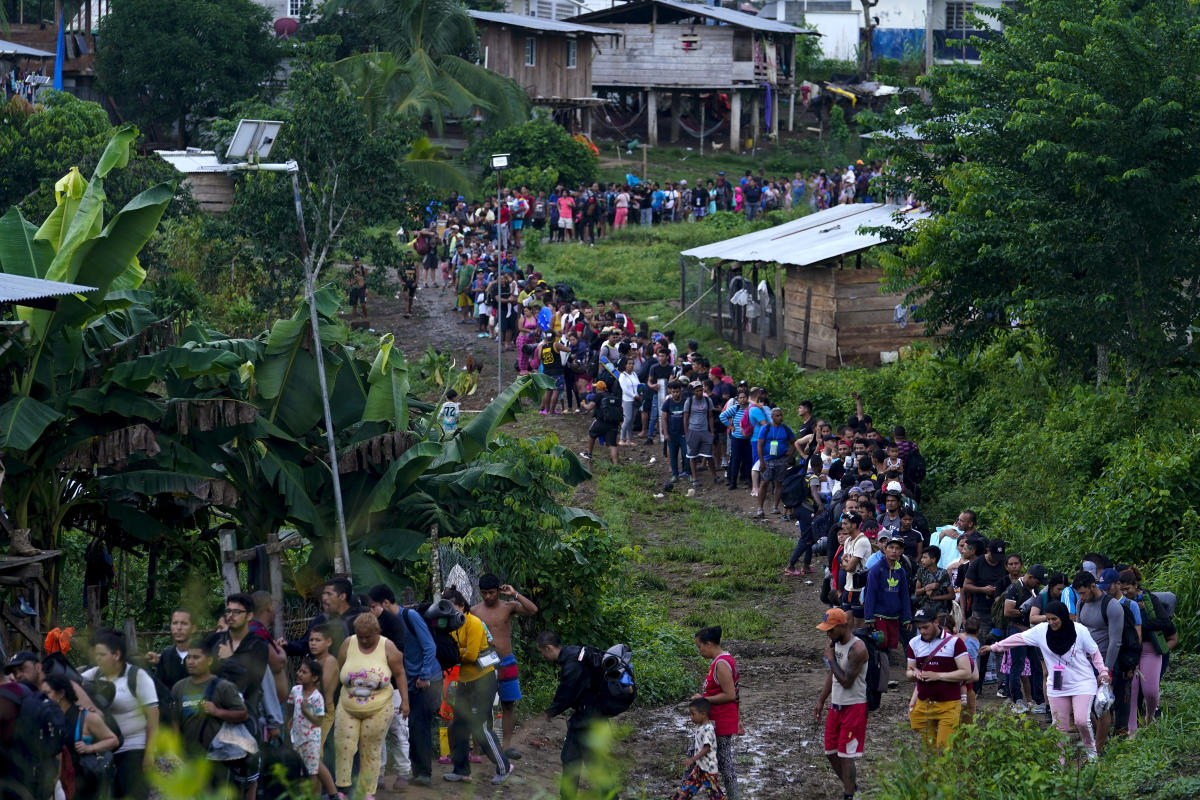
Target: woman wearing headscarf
(1072, 663)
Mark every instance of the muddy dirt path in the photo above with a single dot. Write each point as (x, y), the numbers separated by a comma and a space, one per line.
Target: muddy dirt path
(781, 754)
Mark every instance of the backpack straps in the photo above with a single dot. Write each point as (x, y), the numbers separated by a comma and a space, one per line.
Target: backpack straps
(83, 712)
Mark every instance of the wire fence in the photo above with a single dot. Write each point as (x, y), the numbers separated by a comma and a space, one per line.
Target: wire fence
(741, 302)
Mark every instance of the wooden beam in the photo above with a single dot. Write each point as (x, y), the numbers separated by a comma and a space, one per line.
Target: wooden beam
(735, 121)
(30, 634)
(275, 570)
(229, 568)
(274, 547)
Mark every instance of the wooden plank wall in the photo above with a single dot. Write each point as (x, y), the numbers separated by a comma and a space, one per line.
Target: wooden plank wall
(642, 58)
(549, 77)
(822, 338)
(213, 191)
(864, 317)
(847, 312)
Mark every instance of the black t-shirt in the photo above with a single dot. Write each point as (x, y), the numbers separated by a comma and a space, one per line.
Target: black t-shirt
(392, 628)
(981, 573)
(548, 358)
(661, 375)
(699, 197)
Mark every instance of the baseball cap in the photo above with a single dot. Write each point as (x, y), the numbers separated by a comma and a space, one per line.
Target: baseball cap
(884, 535)
(695, 385)
(1038, 572)
(997, 547)
(20, 657)
(923, 615)
(866, 486)
(1107, 578)
(894, 487)
(833, 617)
(600, 386)
(852, 516)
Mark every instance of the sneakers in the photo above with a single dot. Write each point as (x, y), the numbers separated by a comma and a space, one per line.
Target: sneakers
(1002, 692)
(790, 572)
(1019, 707)
(499, 778)
(454, 777)
(585, 455)
(1040, 708)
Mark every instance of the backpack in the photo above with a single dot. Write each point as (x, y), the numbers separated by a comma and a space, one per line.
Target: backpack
(167, 711)
(745, 425)
(613, 686)
(539, 209)
(40, 726)
(609, 411)
(421, 245)
(1130, 652)
(439, 628)
(794, 487)
(564, 293)
(914, 467)
(876, 672)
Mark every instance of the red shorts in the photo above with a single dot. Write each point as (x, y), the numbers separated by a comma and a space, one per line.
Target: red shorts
(846, 730)
(891, 632)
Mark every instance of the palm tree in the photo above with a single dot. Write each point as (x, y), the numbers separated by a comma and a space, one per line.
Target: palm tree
(418, 68)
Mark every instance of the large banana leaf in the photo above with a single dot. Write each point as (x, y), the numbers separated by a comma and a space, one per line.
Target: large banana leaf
(394, 544)
(473, 438)
(179, 362)
(285, 475)
(387, 399)
(22, 421)
(20, 252)
(402, 473)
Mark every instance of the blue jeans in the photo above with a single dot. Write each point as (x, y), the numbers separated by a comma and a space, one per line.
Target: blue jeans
(677, 447)
(1019, 656)
(740, 460)
(652, 426)
(804, 545)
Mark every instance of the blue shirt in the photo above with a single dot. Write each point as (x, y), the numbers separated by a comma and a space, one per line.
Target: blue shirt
(420, 652)
(759, 417)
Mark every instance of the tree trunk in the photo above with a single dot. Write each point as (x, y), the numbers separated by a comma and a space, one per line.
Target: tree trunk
(1101, 365)
(151, 579)
(866, 45)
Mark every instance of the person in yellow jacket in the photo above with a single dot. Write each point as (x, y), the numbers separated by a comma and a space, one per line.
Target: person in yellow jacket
(473, 703)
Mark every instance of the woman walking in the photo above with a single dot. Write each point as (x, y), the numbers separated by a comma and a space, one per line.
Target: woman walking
(86, 735)
(527, 335)
(1072, 660)
(368, 663)
(628, 381)
(134, 708)
(721, 690)
(1156, 628)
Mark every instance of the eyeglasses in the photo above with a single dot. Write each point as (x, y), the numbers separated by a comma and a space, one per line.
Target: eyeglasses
(233, 612)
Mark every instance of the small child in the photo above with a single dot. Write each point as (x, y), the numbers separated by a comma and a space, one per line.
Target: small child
(308, 712)
(702, 770)
(448, 415)
(970, 636)
(320, 643)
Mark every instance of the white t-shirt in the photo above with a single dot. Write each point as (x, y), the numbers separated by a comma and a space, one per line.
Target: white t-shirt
(128, 711)
(629, 386)
(1078, 675)
(706, 734)
(858, 546)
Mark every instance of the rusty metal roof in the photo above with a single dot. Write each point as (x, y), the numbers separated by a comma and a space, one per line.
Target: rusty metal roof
(15, 288)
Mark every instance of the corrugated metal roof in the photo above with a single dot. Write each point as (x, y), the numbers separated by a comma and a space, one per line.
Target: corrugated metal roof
(726, 15)
(539, 23)
(14, 288)
(812, 239)
(13, 49)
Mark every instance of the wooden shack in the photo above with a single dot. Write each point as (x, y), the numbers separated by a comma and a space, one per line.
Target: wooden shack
(208, 179)
(834, 310)
(550, 59)
(686, 57)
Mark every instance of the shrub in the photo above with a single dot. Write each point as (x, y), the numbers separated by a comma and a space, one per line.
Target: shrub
(539, 144)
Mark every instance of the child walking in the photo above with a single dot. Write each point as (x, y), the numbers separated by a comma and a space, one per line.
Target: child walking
(702, 770)
(308, 712)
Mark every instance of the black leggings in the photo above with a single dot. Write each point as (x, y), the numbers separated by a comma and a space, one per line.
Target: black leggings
(130, 780)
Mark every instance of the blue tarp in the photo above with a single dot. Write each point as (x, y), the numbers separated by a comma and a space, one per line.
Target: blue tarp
(894, 42)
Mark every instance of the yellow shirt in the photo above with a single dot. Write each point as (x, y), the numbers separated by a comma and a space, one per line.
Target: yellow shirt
(472, 640)
(366, 680)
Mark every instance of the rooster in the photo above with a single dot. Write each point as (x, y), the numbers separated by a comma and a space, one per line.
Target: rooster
(472, 365)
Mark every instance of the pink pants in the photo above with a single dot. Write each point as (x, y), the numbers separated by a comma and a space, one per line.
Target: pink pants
(1146, 682)
(619, 219)
(1079, 706)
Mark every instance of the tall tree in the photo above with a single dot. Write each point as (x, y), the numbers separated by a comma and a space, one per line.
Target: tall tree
(1062, 176)
(167, 64)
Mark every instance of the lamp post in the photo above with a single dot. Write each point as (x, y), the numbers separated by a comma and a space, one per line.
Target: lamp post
(499, 164)
(253, 141)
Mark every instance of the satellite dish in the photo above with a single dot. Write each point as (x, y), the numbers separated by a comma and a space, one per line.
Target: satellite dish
(285, 27)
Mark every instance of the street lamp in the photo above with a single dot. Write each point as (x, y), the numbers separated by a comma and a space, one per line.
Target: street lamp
(253, 141)
(499, 164)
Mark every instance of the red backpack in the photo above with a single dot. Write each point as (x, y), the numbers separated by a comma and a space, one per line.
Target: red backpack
(745, 424)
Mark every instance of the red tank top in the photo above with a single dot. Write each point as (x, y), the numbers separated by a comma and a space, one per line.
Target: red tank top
(724, 716)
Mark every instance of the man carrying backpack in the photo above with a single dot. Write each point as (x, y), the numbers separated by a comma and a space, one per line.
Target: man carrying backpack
(1105, 620)
(939, 663)
(31, 732)
(575, 691)
(846, 685)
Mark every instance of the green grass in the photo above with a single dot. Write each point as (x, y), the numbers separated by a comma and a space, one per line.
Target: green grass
(699, 563)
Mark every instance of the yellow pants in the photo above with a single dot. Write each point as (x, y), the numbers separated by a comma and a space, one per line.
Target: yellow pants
(935, 721)
(362, 735)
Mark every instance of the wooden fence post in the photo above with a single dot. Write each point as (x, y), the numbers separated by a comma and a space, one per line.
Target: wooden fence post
(131, 643)
(229, 567)
(275, 572)
(435, 563)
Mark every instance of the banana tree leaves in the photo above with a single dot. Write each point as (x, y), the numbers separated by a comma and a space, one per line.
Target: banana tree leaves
(394, 544)
(135, 522)
(21, 253)
(474, 438)
(116, 400)
(575, 518)
(287, 375)
(387, 399)
(178, 362)
(350, 398)
(286, 476)
(402, 473)
(369, 571)
(22, 422)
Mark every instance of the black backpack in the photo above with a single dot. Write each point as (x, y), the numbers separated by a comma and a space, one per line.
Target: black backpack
(563, 293)
(609, 410)
(41, 726)
(1130, 652)
(446, 647)
(876, 674)
(914, 468)
(167, 712)
(613, 686)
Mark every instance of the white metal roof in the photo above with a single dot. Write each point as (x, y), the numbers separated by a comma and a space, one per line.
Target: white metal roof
(539, 23)
(189, 161)
(15, 288)
(620, 13)
(811, 239)
(13, 49)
